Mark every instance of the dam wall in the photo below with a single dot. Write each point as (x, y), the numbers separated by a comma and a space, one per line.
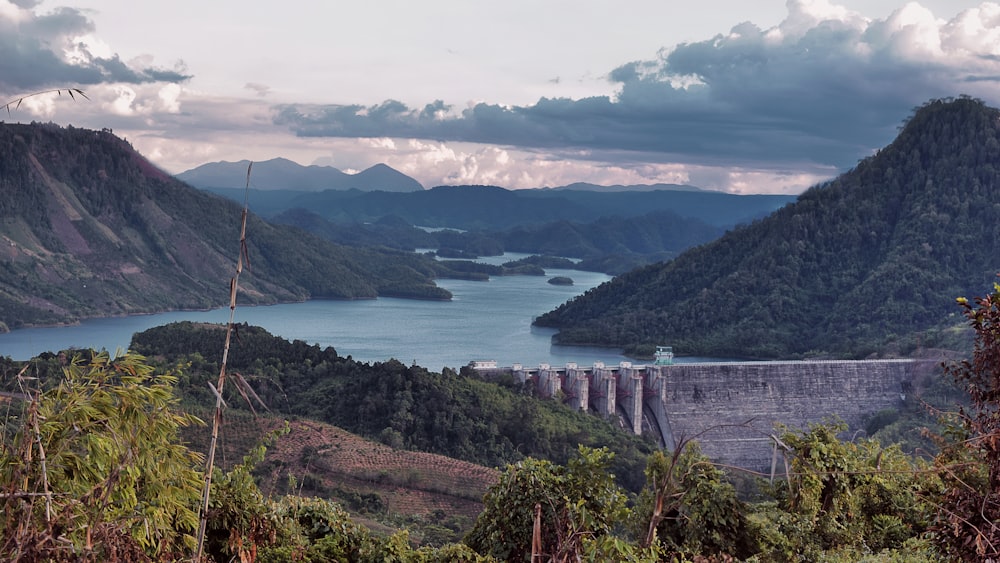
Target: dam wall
(731, 408)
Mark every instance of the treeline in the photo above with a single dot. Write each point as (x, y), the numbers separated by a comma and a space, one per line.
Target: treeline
(492, 208)
(453, 414)
(870, 262)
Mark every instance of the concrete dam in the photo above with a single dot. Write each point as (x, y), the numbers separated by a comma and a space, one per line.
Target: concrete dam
(730, 408)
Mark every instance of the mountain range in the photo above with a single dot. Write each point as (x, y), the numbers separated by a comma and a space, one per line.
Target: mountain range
(870, 262)
(496, 208)
(588, 187)
(283, 174)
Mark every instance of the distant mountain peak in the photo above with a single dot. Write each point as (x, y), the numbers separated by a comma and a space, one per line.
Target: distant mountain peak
(385, 174)
(283, 174)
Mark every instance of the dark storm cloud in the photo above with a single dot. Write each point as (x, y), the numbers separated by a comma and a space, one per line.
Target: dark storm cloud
(647, 117)
(819, 88)
(32, 55)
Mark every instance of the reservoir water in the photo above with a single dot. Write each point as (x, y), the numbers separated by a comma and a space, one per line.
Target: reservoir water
(484, 321)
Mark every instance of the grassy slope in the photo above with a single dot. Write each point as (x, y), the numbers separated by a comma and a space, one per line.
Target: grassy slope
(383, 487)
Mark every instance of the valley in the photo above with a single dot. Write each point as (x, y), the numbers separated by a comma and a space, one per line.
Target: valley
(863, 268)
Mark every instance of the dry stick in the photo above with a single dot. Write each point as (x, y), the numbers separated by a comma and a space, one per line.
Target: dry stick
(210, 461)
(33, 416)
(45, 471)
(536, 535)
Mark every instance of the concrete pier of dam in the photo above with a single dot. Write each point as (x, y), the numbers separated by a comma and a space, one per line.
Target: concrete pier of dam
(731, 408)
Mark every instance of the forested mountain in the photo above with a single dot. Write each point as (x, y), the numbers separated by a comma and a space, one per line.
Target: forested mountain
(660, 234)
(874, 257)
(612, 245)
(588, 187)
(610, 231)
(283, 174)
(89, 228)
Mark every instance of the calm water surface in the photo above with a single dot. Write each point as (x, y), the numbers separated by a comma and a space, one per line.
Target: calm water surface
(484, 321)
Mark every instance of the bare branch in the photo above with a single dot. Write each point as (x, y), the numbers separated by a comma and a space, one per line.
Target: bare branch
(17, 101)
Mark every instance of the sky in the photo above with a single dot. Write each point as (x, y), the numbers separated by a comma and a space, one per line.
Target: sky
(741, 96)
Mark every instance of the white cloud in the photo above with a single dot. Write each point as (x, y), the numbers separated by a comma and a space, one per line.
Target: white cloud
(805, 15)
(59, 48)
(974, 32)
(80, 50)
(813, 94)
(380, 143)
(772, 107)
(11, 12)
(170, 98)
(122, 103)
(41, 106)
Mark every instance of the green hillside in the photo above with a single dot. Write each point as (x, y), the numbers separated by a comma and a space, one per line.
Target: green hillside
(873, 258)
(612, 245)
(454, 414)
(88, 227)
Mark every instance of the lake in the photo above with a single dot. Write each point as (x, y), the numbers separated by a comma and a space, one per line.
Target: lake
(484, 321)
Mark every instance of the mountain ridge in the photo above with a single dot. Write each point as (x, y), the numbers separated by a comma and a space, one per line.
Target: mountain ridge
(90, 228)
(587, 186)
(284, 174)
(868, 263)
(473, 207)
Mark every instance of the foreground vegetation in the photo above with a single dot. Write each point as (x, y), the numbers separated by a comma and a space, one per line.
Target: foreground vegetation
(92, 468)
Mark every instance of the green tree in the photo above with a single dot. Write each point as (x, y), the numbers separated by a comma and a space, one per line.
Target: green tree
(576, 505)
(853, 498)
(688, 508)
(241, 520)
(97, 471)
(967, 526)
